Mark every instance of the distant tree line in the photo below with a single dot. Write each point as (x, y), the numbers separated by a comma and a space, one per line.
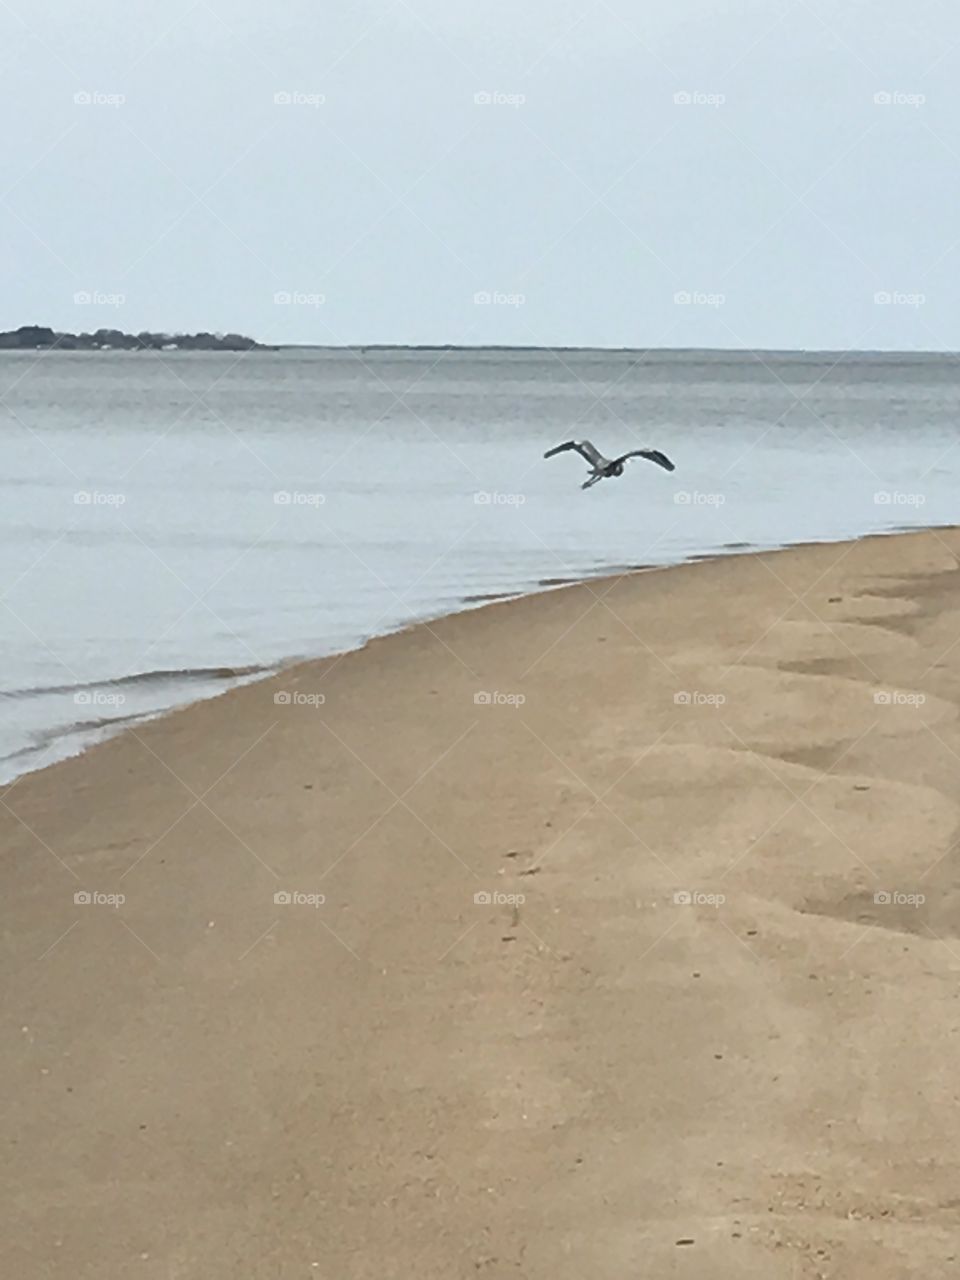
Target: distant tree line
(36, 335)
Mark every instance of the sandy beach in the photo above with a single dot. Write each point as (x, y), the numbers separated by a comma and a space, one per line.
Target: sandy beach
(608, 932)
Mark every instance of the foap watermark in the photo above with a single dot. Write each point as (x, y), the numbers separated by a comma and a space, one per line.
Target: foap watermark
(96, 98)
(497, 98)
(497, 899)
(93, 898)
(297, 298)
(898, 698)
(883, 898)
(697, 298)
(297, 498)
(497, 699)
(497, 298)
(495, 499)
(897, 98)
(294, 698)
(894, 498)
(294, 898)
(693, 498)
(94, 298)
(694, 698)
(94, 498)
(98, 698)
(697, 898)
(698, 98)
(297, 98)
(898, 298)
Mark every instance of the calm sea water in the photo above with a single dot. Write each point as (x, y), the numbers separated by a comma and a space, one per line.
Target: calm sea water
(171, 523)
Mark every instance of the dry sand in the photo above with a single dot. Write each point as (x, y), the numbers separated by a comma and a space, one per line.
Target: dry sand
(598, 1082)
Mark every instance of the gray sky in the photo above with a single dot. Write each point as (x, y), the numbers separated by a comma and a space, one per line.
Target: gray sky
(777, 194)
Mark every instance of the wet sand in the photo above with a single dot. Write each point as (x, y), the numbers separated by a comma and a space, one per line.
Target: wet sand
(655, 972)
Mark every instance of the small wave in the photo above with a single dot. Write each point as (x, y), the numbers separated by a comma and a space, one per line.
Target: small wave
(487, 597)
(140, 678)
(40, 740)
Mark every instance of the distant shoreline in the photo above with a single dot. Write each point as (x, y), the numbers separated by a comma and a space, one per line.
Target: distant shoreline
(38, 337)
(32, 337)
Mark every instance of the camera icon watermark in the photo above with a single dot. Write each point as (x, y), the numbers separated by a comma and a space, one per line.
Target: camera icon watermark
(898, 298)
(96, 98)
(696, 898)
(498, 298)
(688, 498)
(894, 498)
(484, 499)
(897, 98)
(497, 699)
(97, 698)
(92, 898)
(294, 898)
(296, 98)
(698, 98)
(496, 98)
(294, 498)
(294, 698)
(694, 698)
(898, 698)
(94, 498)
(698, 298)
(297, 298)
(94, 298)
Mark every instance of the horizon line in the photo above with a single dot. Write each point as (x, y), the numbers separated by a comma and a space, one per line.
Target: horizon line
(500, 346)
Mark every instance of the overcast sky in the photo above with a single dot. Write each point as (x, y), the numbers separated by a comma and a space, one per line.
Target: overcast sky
(719, 173)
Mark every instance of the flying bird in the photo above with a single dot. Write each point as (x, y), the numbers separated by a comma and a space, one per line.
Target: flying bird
(602, 468)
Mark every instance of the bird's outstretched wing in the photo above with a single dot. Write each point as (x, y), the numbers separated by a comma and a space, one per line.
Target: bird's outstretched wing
(584, 448)
(652, 455)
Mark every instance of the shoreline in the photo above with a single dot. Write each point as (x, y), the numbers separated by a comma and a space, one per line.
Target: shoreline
(630, 974)
(88, 736)
(389, 347)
